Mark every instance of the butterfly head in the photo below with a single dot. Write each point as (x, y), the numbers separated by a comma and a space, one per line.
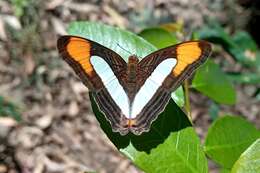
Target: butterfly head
(133, 59)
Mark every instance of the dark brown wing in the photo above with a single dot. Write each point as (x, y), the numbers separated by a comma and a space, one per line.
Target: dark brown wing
(189, 55)
(77, 52)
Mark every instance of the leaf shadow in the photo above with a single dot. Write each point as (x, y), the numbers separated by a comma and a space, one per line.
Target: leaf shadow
(171, 120)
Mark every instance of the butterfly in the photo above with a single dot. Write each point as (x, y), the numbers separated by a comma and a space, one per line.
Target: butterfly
(131, 95)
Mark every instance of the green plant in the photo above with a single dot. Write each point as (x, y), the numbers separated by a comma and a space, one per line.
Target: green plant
(241, 47)
(8, 109)
(20, 6)
(172, 144)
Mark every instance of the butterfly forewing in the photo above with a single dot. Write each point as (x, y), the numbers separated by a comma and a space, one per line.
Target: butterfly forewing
(77, 52)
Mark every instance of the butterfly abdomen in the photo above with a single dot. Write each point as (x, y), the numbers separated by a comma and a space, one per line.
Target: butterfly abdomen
(131, 69)
(131, 78)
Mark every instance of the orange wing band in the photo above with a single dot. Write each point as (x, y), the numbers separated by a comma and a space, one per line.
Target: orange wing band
(131, 122)
(187, 53)
(79, 50)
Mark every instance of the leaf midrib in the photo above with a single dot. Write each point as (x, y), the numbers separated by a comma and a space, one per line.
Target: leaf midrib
(184, 160)
(226, 145)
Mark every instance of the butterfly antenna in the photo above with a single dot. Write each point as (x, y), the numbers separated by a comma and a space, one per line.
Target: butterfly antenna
(124, 49)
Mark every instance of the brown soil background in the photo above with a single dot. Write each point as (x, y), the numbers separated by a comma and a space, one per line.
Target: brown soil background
(59, 132)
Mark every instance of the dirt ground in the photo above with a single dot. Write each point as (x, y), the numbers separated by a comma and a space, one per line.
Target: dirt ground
(59, 132)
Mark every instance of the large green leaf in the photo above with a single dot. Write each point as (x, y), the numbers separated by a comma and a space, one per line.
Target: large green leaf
(159, 37)
(169, 134)
(249, 161)
(181, 152)
(227, 138)
(111, 37)
(162, 38)
(211, 81)
(171, 120)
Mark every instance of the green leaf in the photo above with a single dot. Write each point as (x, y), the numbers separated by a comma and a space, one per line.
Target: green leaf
(227, 138)
(257, 94)
(171, 125)
(162, 38)
(248, 47)
(181, 152)
(171, 119)
(241, 46)
(111, 37)
(245, 49)
(173, 27)
(216, 34)
(244, 40)
(170, 134)
(159, 37)
(211, 81)
(249, 161)
(178, 96)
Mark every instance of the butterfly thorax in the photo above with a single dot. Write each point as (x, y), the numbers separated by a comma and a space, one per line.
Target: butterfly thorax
(132, 76)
